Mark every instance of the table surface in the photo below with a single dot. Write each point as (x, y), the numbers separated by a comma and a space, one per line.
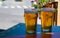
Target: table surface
(19, 31)
(52, 35)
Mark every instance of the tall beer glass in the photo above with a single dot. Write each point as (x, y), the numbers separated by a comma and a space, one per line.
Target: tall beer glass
(47, 16)
(30, 16)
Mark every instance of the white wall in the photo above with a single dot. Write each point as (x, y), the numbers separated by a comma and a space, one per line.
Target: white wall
(56, 0)
(58, 19)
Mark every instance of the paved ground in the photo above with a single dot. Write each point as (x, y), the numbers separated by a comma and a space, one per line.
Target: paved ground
(10, 17)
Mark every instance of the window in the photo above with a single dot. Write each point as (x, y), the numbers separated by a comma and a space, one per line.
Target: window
(18, 0)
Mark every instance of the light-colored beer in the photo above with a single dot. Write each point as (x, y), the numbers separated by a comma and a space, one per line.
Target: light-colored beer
(47, 19)
(30, 21)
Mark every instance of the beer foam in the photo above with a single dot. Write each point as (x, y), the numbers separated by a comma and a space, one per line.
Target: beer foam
(48, 9)
(29, 10)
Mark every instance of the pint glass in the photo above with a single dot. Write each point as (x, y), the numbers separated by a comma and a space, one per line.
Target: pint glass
(30, 16)
(47, 16)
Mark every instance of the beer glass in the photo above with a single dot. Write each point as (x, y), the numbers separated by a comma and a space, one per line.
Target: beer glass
(30, 16)
(47, 16)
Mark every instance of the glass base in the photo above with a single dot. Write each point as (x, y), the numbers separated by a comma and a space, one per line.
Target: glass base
(46, 30)
(30, 32)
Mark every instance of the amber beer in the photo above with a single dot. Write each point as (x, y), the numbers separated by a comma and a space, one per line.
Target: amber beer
(30, 16)
(47, 16)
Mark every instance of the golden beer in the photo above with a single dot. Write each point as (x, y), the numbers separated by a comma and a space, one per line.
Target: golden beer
(47, 16)
(30, 20)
